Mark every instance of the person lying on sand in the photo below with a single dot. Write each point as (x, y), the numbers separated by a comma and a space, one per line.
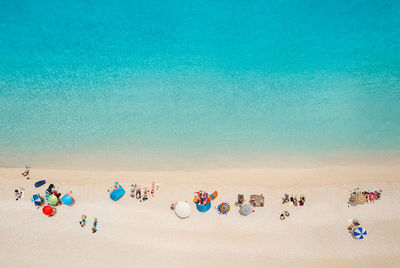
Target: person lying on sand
(26, 172)
(16, 194)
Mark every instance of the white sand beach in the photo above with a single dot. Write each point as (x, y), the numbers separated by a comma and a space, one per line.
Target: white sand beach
(148, 234)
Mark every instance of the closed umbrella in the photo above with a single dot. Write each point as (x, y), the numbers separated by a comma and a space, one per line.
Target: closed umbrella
(183, 209)
(47, 210)
(359, 232)
(53, 200)
(245, 210)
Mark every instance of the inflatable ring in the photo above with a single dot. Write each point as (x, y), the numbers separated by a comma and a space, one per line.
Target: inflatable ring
(203, 208)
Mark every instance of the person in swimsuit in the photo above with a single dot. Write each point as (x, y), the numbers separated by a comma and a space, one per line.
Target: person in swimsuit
(94, 228)
(26, 172)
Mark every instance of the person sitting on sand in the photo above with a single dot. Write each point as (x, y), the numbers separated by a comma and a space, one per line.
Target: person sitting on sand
(295, 201)
(282, 217)
(173, 205)
(285, 199)
(26, 172)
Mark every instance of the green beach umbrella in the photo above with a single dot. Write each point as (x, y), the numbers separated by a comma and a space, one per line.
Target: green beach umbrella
(53, 200)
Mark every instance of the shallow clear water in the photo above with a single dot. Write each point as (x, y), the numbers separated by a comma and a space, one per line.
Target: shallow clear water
(153, 81)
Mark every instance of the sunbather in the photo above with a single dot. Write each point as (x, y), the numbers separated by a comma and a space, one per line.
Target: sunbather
(26, 172)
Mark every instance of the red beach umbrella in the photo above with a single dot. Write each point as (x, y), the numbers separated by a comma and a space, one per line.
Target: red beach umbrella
(47, 210)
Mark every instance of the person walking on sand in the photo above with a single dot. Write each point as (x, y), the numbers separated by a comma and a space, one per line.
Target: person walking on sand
(83, 220)
(94, 228)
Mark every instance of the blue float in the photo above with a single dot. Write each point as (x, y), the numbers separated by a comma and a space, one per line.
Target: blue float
(117, 193)
(203, 208)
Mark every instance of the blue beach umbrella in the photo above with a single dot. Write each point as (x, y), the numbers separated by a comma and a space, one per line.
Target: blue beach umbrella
(67, 199)
(359, 232)
(36, 200)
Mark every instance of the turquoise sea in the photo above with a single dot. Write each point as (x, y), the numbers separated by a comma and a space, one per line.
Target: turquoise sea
(175, 83)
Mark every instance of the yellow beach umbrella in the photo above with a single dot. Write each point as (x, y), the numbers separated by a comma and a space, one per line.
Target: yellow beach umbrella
(360, 199)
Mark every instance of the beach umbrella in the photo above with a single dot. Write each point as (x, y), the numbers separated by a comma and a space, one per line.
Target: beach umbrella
(359, 232)
(245, 210)
(360, 198)
(182, 209)
(53, 200)
(67, 199)
(224, 208)
(47, 210)
(36, 200)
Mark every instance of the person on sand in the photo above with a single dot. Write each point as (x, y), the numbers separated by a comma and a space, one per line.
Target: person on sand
(16, 194)
(291, 200)
(138, 193)
(26, 172)
(285, 199)
(83, 220)
(371, 197)
(282, 217)
(173, 205)
(133, 190)
(94, 228)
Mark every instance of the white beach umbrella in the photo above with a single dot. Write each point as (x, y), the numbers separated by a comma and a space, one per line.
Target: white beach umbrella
(182, 209)
(245, 210)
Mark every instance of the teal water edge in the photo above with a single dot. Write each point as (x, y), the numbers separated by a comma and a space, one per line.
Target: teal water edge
(152, 83)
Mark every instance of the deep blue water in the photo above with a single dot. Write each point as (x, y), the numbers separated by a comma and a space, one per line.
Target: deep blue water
(155, 80)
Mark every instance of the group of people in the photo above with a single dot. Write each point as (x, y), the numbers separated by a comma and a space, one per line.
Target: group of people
(82, 222)
(370, 196)
(294, 200)
(51, 190)
(143, 194)
(203, 197)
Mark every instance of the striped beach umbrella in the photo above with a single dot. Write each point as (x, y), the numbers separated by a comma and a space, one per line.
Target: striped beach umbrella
(359, 232)
(224, 208)
(360, 198)
(36, 200)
